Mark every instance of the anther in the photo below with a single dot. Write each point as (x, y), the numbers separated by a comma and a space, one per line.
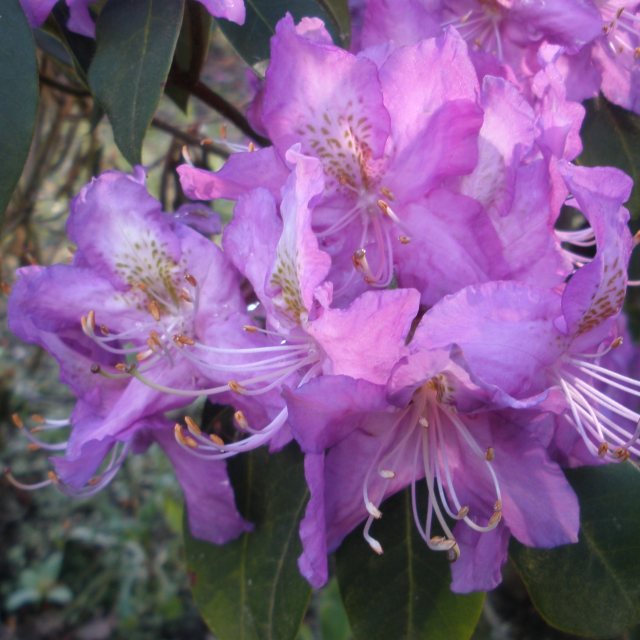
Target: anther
(404, 239)
(144, 355)
(387, 474)
(423, 422)
(495, 518)
(186, 155)
(463, 513)
(440, 543)
(192, 426)
(235, 386)
(241, 420)
(154, 309)
(216, 439)
(17, 420)
(622, 454)
(53, 476)
(104, 330)
(191, 280)
(181, 340)
(384, 207)
(121, 366)
(373, 510)
(617, 342)
(94, 481)
(375, 545)
(32, 446)
(603, 448)
(454, 553)
(489, 454)
(5, 287)
(251, 146)
(95, 368)
(387, 193)
(223, 131)
(184, 439)
(184, 295)
(37, 418)
(249, 328)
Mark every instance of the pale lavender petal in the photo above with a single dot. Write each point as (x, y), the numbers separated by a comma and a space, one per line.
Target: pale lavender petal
(241, 173)
(366, 340)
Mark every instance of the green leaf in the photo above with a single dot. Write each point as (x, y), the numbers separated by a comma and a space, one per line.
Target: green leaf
(21, 598)
(611, 136)
(251, 40)
(250, 588)
(191, 50)
(135, 41)
(18, 96)
(404, 593)
(592, 588)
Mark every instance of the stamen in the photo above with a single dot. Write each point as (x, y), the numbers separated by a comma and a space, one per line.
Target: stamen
(387, 474)
(17, 420)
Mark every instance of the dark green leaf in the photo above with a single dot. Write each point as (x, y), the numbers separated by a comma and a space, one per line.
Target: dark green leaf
(611, 136)
(251, 589)
(135, 41)
(404, 593)
(18, 95)
(251, 40)
(592, 588)
(191, 50)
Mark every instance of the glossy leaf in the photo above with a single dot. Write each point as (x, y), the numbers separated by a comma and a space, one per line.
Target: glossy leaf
(611, 136)
(592, 588)
(404, 593)
(251, 40)
(191, 50)
(18, 95)
(135, 41)
(250, 588)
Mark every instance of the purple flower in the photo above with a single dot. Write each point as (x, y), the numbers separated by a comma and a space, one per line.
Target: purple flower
(117, 319)
(482, 468)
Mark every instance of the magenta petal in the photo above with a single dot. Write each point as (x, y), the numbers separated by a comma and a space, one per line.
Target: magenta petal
(80, 19)
(539, 505)
(313, 561)
(37, 10)
(233, 10)
(303, 103)
(504, 330)
(403, 23)
(447, 146)
(119, 228)
(241, 173)
(318, 424)
(597, 290)
(208, 494)
(445, 73)
(481, 558)
(367, 339)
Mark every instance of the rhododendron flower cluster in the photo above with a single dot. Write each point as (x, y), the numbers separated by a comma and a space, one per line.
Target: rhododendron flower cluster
(393, 292)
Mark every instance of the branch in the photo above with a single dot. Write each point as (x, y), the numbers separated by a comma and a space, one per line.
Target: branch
(217, 102)
(190, 140)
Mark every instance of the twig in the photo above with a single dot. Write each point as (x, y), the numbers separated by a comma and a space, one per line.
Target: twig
(190, 140)
(220, 104)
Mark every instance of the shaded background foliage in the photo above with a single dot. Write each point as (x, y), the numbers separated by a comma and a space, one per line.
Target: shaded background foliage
(114, 566)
